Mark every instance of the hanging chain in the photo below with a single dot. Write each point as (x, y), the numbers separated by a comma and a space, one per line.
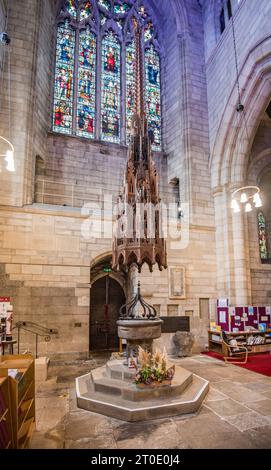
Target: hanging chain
(9, 94)
(5, 48)
(240, 106)
(3, 65)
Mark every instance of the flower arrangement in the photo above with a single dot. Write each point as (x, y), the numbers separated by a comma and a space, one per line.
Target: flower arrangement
(154, 368)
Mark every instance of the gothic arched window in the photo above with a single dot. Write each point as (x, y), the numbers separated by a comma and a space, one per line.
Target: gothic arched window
(224, 14)
(229, 8)
(86, 90)
(222, 21)
(262, 237)
(110, 88)
(153, 94)
(94, 87)
(64, 79)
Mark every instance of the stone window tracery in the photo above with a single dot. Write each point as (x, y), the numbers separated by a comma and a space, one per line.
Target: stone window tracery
(264, 218)
(94, 72)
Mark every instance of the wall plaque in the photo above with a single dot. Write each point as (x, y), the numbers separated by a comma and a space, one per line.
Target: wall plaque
(177, 282)
(173, 324)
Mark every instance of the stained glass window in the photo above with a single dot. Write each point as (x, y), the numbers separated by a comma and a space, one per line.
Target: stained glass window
(153, 95)
(64, 73)
(103, 18)
(86, 10)
(71, 6)
(77, 78)
(142, 12)
(105, 4)
(149, 31)
(110, 88)
(121, 9)
(262, 237)
(130, 87)
(86, 84)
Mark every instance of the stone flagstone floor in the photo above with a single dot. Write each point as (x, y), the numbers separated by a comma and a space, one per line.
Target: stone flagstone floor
(235, 415)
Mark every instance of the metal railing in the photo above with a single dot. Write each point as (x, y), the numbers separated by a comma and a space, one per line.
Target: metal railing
(37, 330)
(68, 194)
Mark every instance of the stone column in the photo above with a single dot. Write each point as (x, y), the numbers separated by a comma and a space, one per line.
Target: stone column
(224, 280)
(233, 274)
(24, 95)
(241, 259)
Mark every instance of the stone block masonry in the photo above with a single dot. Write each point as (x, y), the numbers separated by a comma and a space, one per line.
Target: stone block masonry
(44, 260)
(48, 276)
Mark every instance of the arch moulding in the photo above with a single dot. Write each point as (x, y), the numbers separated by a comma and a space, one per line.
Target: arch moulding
(229, 159)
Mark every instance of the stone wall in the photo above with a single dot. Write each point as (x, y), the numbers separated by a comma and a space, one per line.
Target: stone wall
(186, 137)
(232, 134)
(79, 171)
(251, 27)
(261, 282)
(43, 82)
(45, 268)
(43, 265)
(30, 30)
(3, 13)
(211, 17)
(44, 258)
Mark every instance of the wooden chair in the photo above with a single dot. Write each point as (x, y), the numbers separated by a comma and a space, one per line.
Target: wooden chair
(233, 352)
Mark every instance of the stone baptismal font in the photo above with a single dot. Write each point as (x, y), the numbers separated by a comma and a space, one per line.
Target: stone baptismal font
(112, 390)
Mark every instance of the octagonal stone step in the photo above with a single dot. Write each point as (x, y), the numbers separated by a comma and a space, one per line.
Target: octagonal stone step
(103, 383)
(117, 407)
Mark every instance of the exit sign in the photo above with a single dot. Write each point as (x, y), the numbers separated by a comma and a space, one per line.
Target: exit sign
(107, 270)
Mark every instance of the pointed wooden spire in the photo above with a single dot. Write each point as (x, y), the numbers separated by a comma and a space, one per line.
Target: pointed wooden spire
(139, 63)
(140, 189)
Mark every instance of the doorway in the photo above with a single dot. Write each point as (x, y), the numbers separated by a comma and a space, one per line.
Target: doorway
(107, 296)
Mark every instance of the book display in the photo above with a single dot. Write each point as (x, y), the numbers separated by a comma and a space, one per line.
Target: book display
(5, 415)
(214, 341)
(19, 371)
(6, 319)
(4, 303)
(257, 341)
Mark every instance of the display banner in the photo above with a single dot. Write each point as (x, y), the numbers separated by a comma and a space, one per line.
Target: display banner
(242, 318)
(4, 304)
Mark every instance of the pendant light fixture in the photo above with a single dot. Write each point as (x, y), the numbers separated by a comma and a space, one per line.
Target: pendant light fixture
(8, 155)
(245, 197)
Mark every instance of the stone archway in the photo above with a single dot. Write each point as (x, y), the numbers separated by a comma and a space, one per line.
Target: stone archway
(229, 164)
(107, 295)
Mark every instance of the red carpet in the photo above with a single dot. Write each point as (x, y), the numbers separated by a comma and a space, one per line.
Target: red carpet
(260, 363)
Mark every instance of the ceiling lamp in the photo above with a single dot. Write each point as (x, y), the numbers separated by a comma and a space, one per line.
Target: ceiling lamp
(235, 206)
(246, 197)
(237, 209)
(243, 198)
(257, 200)
(9, 155)
(248, 207)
